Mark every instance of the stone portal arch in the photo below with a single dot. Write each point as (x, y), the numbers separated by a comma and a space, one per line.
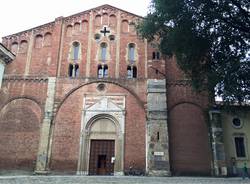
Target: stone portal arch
(103, 121)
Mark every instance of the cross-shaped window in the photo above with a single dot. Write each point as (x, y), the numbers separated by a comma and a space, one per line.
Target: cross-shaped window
(104, 31)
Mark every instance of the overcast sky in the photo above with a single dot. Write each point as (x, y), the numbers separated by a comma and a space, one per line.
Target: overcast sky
(20, 15)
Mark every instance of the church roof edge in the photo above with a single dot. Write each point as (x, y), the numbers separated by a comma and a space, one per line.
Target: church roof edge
(43, 25)
(103, 6)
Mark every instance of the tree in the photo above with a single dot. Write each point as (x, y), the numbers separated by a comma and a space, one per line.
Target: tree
(210, 39)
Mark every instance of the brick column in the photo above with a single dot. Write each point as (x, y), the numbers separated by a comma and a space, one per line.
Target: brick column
(219, 158)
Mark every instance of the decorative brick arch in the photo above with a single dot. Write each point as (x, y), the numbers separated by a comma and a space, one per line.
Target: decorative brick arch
(139, 101)
(184, 102)
(21, 97)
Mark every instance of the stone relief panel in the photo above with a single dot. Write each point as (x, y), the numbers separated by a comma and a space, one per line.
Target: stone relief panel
(109, 105)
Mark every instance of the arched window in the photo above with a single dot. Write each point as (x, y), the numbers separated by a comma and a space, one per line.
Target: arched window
(131, 72)
(153, 55)
(103, 52)
(102, 71)
(99, 71)
(131, 52)
(75, 52)
(134, 72)
(73, 70)
(39, 41)
(23, 46)
(76, 70)
(156, 55)
(105, 71)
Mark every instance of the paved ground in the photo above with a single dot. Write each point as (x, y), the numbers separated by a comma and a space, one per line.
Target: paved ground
(113, 180)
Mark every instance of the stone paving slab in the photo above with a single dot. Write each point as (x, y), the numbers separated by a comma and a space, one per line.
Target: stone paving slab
(116, 180)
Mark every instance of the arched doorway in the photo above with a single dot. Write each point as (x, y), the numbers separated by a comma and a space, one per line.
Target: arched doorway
(102, 139)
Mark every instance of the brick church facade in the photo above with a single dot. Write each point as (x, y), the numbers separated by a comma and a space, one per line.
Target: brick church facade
(86, 95)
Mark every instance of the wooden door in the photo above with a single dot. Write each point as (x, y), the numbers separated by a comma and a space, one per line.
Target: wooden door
(101, 152)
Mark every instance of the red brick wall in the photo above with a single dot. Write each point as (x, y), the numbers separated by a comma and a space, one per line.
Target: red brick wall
(15, 88)
(190, 152)
(21, 112)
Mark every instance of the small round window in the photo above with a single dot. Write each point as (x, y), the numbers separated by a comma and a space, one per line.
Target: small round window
(97, 37)
(112, 37)
(237, 123)
(101, 87)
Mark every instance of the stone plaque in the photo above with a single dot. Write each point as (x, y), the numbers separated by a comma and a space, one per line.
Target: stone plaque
(158, 153)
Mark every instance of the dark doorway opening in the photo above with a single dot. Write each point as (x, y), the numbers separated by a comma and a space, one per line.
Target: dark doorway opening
(101, 153)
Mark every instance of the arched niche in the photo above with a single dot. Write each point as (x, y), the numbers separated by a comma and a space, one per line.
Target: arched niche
(98, 20)
(19, 134)
(125, 26)
(38, 41)
(85, 26)
(112, 21)
(105, 19)
(14, 47)
(47, 39)
(69, 29)
(23, 46)
(77, 27)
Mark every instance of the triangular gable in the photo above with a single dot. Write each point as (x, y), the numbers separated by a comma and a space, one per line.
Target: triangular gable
(103, 7)
(104, 104)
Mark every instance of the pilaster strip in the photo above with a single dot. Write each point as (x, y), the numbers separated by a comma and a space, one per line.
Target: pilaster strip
(29, 54)
(89, 45)
(118, 45)
(60, 50)
(146, 57)
(42, 156)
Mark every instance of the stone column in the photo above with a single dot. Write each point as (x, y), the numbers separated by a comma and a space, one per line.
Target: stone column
(219, 158)
(42, 156)
(157, 129)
